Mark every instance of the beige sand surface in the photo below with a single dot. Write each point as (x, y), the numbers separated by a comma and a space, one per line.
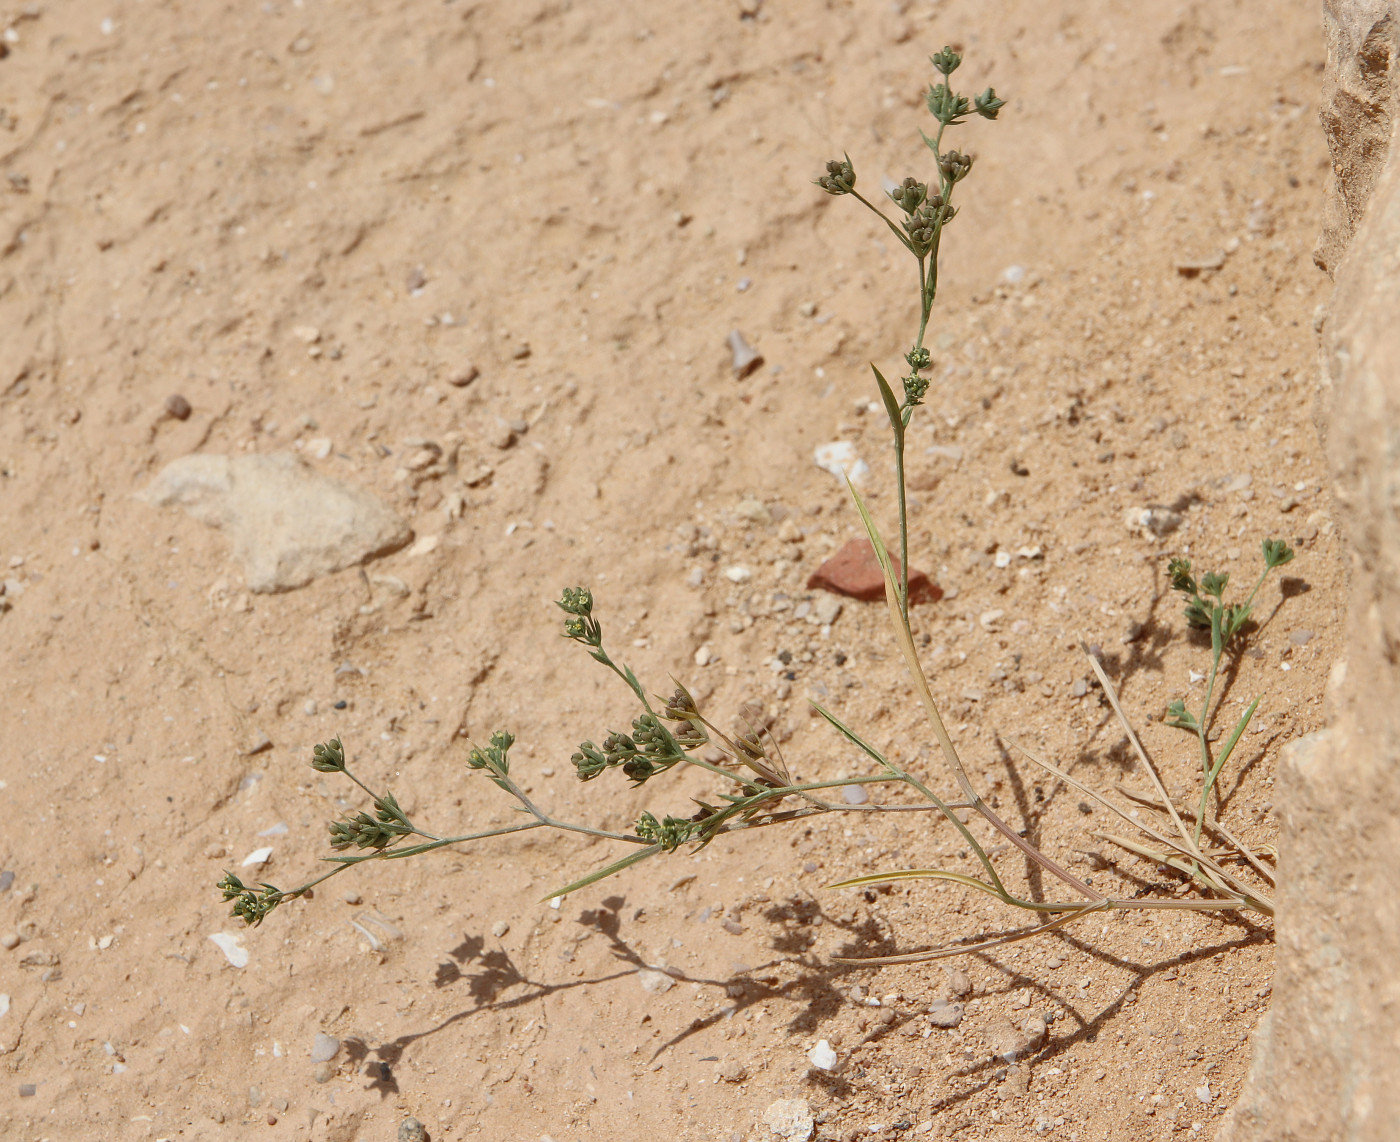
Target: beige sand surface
(582, 200)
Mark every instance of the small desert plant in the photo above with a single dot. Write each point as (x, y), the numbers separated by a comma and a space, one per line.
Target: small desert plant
(755, 788)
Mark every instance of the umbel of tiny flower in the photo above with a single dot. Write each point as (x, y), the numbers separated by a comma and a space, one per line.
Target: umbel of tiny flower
(581, 626)
(840, 177)
(670, 833)
(251, 905)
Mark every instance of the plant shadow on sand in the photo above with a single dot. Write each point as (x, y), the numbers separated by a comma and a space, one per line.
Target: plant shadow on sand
(490, 974)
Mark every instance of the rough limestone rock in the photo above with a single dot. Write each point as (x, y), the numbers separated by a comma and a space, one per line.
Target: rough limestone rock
(288, 524)
(1324, 1058)
(1358, 110)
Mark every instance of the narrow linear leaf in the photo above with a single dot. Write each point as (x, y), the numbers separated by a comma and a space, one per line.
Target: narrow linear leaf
(604, 873)
(887, 395)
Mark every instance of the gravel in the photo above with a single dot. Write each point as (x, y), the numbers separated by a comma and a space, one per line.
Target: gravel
(324, 1049)
(942, 1013)
(790, 1118)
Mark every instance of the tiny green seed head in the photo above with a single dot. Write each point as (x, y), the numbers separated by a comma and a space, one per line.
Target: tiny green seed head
(919, 358)
(1179, 572)
(946, 62)
(945, 105)
(1277, 553)
(328, 758)
(987, 104)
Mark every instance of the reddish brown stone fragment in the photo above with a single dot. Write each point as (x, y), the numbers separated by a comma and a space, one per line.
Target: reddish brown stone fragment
(855, 572)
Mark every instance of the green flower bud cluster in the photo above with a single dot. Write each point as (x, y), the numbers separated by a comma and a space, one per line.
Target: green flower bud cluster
(915, 388)
(495, 756)
(670, 833)
(378, 832)
(650, 749)
(580, 625)
(1277, 553)
(840, 177)
(251, 905)
(946, 105)
(329, 758)
(987, 104)
(946, 62)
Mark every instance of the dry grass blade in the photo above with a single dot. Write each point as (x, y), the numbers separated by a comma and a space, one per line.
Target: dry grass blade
(1137, 745)
(1222, 880)
(1243, 850)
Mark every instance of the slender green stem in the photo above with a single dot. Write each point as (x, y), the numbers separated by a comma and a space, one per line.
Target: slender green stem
(903, 238)
(440, 842)
(903, 522)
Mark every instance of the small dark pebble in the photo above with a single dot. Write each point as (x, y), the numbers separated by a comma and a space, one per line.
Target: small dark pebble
(341, 704)
(27, 1090)
(177, 406)
(1085, 808)
(784, 656)
(272, 1120)
(1019, 469)
(839, 658)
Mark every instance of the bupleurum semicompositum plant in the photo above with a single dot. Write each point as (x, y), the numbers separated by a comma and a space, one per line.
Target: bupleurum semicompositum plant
(754, 786)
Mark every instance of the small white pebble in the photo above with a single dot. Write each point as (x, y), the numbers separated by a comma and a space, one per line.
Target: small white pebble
(822, 1056)
(228, 944)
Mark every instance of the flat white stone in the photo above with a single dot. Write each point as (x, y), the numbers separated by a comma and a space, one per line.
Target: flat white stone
(228, 943)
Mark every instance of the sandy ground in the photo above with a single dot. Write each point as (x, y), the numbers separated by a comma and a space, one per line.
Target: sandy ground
(582, 200)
